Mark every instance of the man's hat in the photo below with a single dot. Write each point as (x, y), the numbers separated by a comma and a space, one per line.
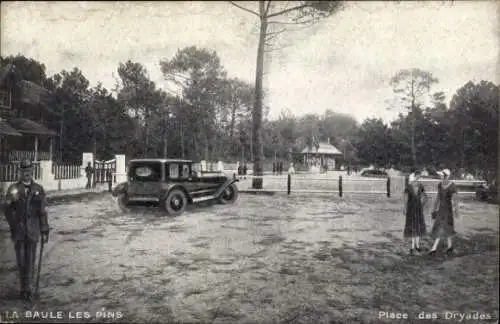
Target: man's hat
(26, 165)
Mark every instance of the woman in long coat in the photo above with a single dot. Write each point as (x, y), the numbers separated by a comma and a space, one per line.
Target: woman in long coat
(445, 210)
(415, 200)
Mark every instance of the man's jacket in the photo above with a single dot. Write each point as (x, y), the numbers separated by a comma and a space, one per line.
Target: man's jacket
(25, 209)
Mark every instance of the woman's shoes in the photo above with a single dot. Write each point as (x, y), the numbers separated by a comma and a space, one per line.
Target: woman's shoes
(432, 252)
(449, 250)
(418, 249)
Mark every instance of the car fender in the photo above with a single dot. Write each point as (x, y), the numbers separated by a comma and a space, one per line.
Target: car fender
(226, 184)
(172, 186)
(119, 189)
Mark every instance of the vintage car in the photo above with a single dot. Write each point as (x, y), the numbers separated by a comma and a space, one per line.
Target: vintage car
(374, 173)
(172, 184)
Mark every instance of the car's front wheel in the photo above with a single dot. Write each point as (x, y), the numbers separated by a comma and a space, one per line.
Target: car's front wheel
(175, 203)
(229, 195)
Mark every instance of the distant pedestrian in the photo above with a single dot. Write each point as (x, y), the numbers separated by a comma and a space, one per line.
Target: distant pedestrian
(444, 211)
(415, 200)
(291, 169)
(245, 169)
(89, 170)
(25, 210)
(274, 168)
(109, 179)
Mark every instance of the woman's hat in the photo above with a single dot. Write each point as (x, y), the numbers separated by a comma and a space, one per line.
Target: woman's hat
(444, 172)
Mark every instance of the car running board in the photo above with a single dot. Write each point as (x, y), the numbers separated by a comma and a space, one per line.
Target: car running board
(201, 199)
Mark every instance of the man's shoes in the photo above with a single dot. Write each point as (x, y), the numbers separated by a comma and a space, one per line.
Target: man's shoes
(26, 296)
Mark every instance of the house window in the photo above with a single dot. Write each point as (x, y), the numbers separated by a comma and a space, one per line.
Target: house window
(5, 99)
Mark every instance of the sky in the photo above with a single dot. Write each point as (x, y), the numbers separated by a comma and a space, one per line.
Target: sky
(344, 63)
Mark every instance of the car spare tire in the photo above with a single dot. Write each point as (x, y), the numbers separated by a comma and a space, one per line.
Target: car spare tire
(229, 195)
(122, 201)
(175, 203)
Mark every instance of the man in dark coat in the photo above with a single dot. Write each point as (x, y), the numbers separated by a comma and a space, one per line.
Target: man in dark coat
(25, 210)
(89, 170)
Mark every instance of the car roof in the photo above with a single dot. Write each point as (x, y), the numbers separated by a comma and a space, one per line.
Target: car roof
(160, 160)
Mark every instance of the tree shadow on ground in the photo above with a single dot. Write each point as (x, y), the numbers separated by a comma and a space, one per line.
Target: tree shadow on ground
(385, 277)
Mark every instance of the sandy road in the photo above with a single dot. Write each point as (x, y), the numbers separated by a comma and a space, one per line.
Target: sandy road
(264, 259)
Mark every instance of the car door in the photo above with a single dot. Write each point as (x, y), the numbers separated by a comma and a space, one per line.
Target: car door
(145, 179)
(180, 172)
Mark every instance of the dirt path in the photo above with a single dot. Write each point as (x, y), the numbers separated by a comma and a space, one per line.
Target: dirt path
(264, 259)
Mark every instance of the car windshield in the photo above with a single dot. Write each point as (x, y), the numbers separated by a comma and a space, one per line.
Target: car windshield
(147, 172)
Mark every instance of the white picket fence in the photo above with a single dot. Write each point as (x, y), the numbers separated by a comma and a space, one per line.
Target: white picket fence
(61, 176)
(9, 172)
(66, 171)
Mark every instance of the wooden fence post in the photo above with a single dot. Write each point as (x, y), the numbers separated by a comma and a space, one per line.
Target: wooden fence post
(289, 184)
(340, 186)
(388, 187)
(407, 182)
(110, 180)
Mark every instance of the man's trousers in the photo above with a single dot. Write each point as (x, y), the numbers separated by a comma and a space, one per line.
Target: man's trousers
(26, 259)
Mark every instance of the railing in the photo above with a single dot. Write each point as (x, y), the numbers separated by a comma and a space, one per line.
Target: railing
(389, 186)
(210, 167)
(15, 156)
(105, 171)
(463, 186)
(66, 171)
(9, 172)
(299, 183)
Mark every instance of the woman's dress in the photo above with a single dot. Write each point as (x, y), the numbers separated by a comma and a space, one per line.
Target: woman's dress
(415, 222)
(444, 226)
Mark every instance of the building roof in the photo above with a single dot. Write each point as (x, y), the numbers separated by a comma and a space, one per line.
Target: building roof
(322, 148)
(26, 126)
(31, 92)
(6, 129)
(35, 94)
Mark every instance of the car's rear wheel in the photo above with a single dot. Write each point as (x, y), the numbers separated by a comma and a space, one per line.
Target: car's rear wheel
(122, 201)
(175, 203)
(229, 195)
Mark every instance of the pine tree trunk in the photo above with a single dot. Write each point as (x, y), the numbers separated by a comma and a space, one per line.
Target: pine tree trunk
(257, 109)
(413, 121)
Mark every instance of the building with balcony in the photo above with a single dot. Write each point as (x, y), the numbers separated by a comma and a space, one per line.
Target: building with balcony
(24, 118)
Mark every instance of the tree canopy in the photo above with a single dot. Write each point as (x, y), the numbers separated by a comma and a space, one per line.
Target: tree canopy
(210, 117)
